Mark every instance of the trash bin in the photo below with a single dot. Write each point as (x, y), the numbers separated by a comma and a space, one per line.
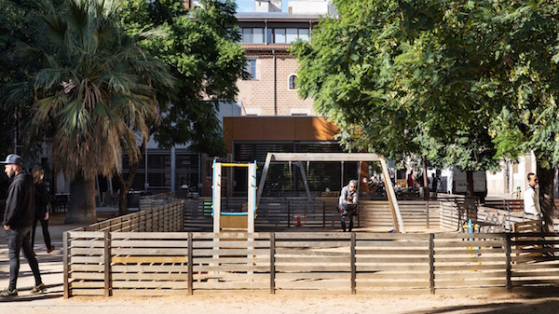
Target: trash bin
(133, 200)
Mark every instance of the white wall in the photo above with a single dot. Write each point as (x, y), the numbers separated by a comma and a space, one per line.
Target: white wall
(267, 6)
(309, 7)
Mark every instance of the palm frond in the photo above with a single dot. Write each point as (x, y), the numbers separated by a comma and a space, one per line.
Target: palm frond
(98, 89)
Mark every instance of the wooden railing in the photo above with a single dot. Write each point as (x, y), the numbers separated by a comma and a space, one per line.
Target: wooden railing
(136, 263)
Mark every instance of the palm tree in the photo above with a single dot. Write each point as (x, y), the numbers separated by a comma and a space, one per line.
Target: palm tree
(96, 93)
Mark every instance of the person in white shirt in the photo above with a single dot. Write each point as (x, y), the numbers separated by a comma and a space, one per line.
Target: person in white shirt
(531, 196)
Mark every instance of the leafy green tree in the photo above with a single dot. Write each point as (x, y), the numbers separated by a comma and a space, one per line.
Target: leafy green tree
(447, 75)
(391, 74)
(15, 27)
(96, 90)
(201, 51)
(528, 120)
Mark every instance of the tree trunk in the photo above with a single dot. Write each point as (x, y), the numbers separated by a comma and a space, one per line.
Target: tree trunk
(547, 206)
(125, 184)
(470, 183)
(425, 180)
(123, 200)
(81, 205)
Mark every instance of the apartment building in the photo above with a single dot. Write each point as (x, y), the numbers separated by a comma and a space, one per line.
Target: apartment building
(273, 118)
(267, 35)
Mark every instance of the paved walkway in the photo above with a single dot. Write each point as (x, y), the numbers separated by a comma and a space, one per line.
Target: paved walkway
(50, 264)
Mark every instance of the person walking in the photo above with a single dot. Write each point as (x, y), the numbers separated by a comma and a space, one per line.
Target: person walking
(434, 183)
(411, 180)
(41, 209)
(18, 217)
(348, 204)
(531, 196)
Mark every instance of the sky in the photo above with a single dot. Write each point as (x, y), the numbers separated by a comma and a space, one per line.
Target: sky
(248, 5)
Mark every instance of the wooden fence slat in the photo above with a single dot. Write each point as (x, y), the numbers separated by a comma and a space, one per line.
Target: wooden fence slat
(65, 262)
(272, 263)
(107, 263)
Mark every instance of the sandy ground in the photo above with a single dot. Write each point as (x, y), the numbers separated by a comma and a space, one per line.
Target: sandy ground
(242, 302)
(231, 302)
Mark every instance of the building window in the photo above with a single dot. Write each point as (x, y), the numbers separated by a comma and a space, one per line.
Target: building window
(253, 111)
(279, 36)
(304, 34)
(270, 36)
(258, 35)
(291, 35)
(247, 36)
(252, 35)
(300, 111)
(250, 68)
(292, 82)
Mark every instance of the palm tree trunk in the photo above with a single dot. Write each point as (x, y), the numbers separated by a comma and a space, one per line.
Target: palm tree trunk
(81, 205)
(546, 177)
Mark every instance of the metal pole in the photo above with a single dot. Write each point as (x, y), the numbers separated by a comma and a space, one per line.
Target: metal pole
(173, 169)
(342, 176)
(146, 184)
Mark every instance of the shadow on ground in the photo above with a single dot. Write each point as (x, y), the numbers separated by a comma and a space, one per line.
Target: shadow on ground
(522, 306)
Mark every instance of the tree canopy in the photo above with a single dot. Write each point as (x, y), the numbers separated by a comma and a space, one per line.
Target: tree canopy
(469, 81)
(201, 50)
(94, 93)
(383, 73)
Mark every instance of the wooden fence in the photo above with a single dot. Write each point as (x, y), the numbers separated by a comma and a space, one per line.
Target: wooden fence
(87, 260)
(145, 254)
(136, 263)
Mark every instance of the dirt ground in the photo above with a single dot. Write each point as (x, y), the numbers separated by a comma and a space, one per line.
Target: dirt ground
(242, 302)
(232, 302)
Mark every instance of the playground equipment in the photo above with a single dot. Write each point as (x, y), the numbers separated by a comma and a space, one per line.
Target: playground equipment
(470, 228)
(297, 157)
(238, 220)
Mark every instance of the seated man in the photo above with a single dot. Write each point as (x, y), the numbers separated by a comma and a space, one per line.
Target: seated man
(348, 204)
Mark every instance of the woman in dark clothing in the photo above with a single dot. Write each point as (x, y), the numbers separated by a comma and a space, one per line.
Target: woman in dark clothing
(41, 208)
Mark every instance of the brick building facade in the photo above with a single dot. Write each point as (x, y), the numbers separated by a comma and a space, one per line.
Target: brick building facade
(270, 93)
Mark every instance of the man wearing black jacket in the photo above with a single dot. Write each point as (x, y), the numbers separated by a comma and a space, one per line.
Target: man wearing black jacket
(17, 223)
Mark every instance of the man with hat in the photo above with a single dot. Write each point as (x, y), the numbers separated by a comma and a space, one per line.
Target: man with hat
(18, 218)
